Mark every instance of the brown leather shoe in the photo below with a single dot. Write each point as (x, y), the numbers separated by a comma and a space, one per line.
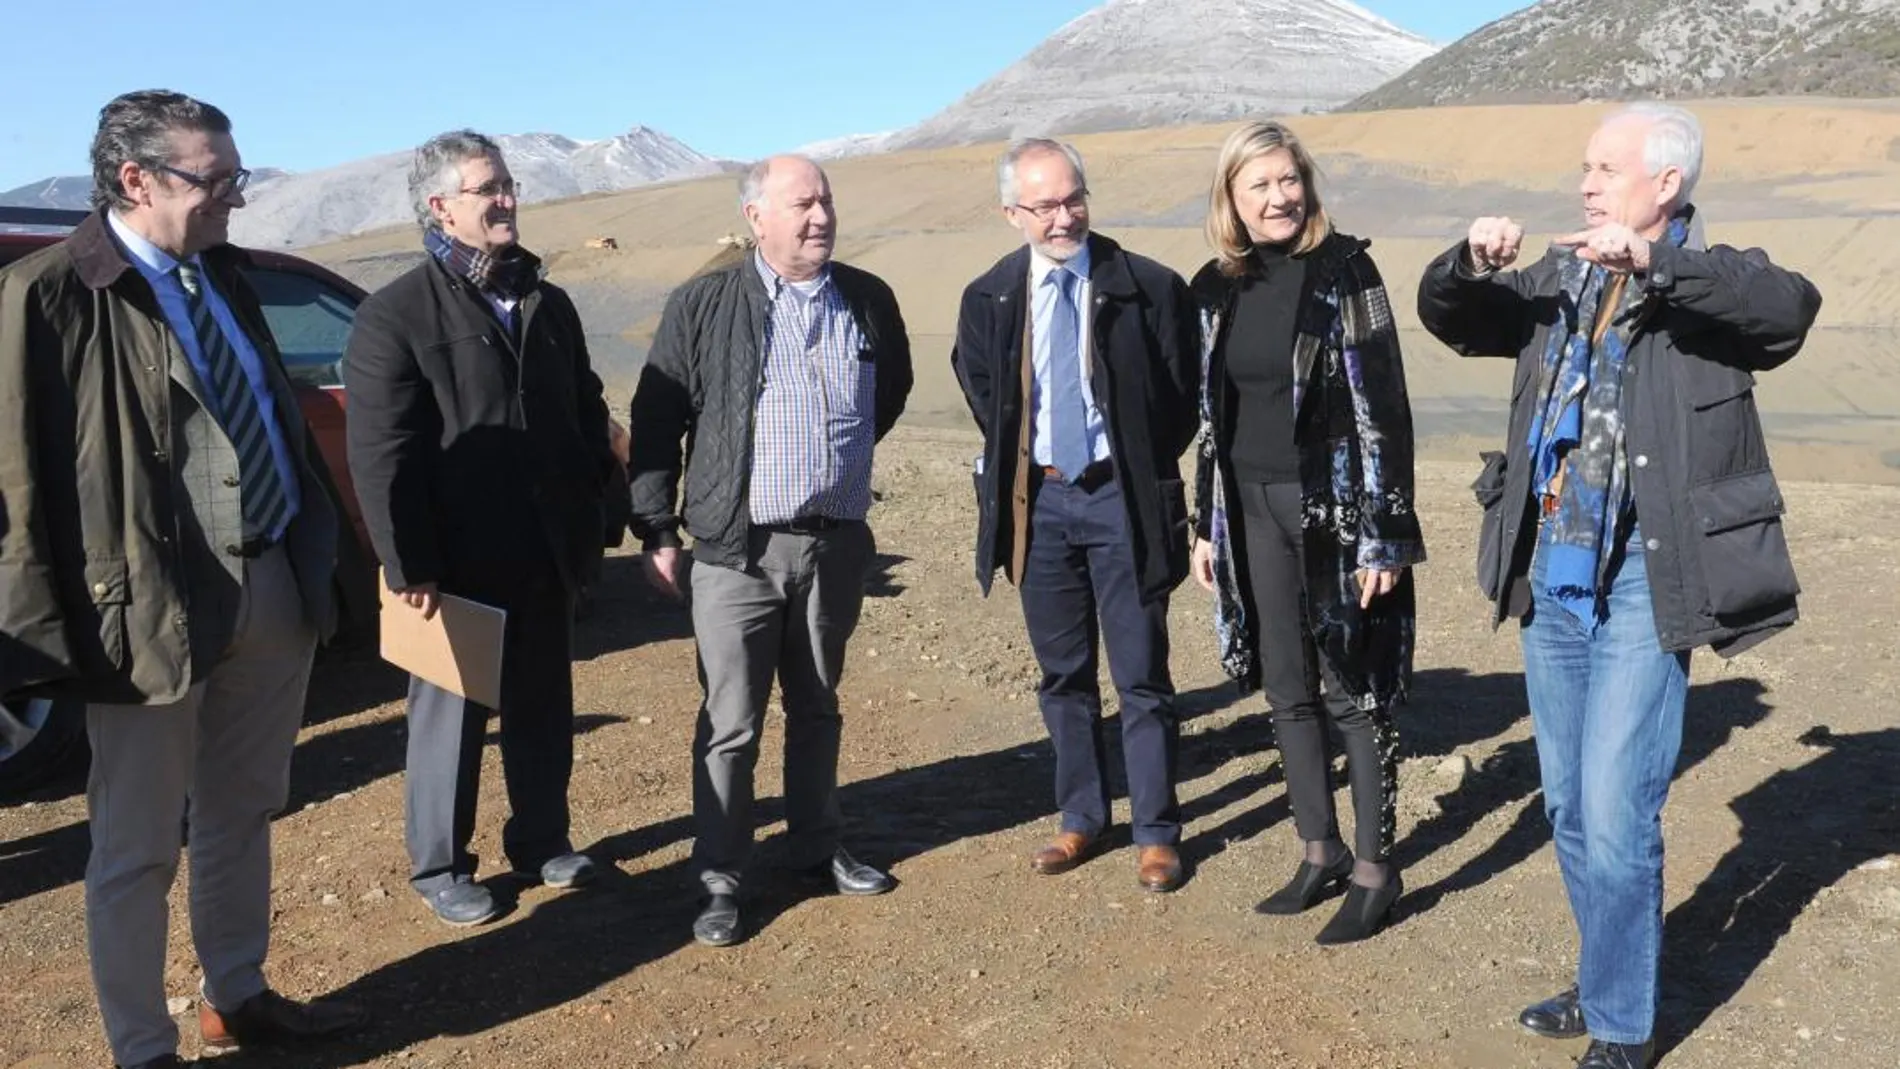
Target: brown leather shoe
(1158, 868)
(1064, 852)
(268, 1017)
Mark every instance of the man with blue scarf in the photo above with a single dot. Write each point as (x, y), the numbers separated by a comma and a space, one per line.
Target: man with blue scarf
(479, 446)
(1631, 518)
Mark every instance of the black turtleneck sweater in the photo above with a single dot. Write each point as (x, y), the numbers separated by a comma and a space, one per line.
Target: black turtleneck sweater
(1259, 361)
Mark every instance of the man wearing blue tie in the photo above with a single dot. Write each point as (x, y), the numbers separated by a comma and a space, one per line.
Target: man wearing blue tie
(1079, 362)
(166, 555)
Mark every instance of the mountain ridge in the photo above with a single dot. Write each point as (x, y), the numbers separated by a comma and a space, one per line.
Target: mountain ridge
(1558, 51)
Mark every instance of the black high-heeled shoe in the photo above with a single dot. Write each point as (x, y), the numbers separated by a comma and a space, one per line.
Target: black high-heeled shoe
(1310, 884)
(1363, 913)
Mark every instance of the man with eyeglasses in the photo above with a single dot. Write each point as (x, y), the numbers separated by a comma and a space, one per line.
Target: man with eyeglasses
(478, 443)
(1080, 362)
(166, 553)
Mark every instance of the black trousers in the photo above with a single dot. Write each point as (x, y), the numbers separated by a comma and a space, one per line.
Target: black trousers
(1079, 586)
(1302, 691)
(446, 733)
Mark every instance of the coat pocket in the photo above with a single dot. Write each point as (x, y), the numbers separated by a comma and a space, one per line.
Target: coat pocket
(1744, 551)
(109, 582)
(1489, 490)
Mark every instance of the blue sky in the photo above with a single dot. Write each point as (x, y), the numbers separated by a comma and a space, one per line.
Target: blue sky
(310, 84)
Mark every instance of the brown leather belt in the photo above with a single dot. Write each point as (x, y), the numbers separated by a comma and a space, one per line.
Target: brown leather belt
(1092, 477)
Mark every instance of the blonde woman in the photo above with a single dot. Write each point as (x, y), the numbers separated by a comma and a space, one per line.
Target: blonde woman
(1306, 529)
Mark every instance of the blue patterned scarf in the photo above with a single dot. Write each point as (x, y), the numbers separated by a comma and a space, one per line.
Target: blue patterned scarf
(1581, 432)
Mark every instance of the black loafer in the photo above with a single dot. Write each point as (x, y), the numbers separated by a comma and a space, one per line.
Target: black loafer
(719, 925)
(1310, 885)
(1363, 913)
(1557, 1017)
(1606, 1055)
(851, 876)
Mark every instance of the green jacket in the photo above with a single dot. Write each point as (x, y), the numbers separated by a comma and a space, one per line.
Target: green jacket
(99, 539)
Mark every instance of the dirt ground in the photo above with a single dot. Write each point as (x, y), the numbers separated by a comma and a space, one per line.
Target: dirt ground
(1783, 893)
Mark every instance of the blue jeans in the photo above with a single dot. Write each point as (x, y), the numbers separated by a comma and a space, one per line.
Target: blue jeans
(1606, 703)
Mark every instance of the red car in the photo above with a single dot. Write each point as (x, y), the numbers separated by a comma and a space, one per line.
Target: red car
(310, 310)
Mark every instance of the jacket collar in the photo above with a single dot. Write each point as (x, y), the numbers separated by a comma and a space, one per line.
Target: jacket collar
(100, 261)
(1213, 290)
(1109, 273)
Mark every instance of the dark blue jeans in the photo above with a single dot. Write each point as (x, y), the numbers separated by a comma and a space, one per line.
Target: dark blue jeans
(1607, 705)
(1080, 567)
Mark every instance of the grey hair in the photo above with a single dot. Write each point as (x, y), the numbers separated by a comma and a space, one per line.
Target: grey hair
(437, 170)
(752, 183)
(1674, 139)
(137, 128)
(1006, 165)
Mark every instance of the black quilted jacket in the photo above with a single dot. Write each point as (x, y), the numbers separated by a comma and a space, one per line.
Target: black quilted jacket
(693, 408)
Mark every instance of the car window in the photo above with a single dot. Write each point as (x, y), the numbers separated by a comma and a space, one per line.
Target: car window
(310, 320)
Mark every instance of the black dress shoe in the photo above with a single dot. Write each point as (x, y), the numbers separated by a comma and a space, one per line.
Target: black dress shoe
(1363, 913)
(1310, 884)
(1606, 1055)
(718, 925)
(1557, 1017)
(851, 876)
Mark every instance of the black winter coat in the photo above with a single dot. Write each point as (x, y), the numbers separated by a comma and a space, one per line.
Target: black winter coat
(1706, 499)
(475, 454)
(1145, 375)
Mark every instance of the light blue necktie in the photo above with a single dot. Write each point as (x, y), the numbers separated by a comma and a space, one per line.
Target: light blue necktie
(1068, 408)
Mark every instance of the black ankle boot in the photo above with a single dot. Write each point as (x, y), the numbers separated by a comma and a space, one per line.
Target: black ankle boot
(1557, 1017)
(1363, 913)
(1310, 884)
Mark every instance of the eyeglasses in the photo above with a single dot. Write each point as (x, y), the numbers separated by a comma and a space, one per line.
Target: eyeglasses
(221, 187)
(1077, 203)
(493, 188)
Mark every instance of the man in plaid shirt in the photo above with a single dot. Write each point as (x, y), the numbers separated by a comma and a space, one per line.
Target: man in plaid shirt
(784, 370)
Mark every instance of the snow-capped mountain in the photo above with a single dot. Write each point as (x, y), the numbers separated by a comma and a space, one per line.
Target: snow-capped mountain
(1138, 63)
(315, 206)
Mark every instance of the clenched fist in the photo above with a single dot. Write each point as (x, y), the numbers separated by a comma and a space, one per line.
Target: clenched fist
(1613, 245)
(1493, 242)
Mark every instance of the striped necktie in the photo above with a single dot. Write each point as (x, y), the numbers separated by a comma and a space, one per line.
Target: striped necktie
(265, 502)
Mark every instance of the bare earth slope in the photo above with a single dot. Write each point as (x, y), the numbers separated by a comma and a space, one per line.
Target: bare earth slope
(1817, 183)
(1783, 895)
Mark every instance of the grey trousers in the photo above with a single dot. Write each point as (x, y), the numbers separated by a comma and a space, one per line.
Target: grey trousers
(219, 759)
(789, 616)
(442, 776)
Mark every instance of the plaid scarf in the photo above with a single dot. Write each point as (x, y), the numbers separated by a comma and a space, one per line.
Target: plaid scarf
(1581, 433)
(511, 272)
